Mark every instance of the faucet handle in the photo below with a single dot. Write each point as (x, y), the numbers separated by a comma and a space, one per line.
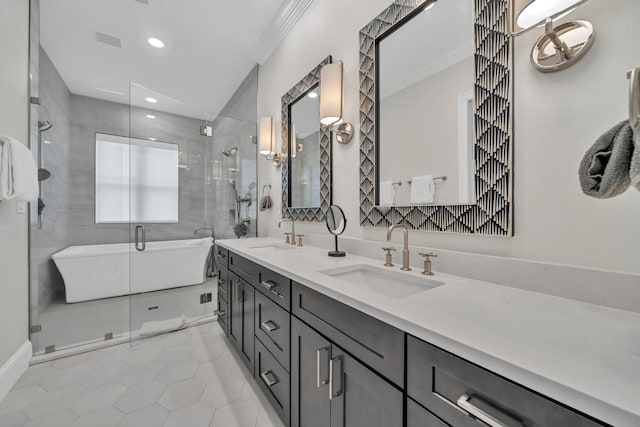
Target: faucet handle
(427, 263)
(389, 257)
(427, 255)
(300, 236)
(287, 238)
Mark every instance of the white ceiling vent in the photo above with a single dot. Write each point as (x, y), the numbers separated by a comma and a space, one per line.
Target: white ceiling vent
(107, 39)
(143, 2)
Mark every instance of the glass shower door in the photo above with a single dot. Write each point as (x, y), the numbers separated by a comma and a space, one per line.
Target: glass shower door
(171, 283)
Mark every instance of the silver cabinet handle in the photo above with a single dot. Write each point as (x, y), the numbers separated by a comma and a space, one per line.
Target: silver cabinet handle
(236, 291)
(270, 326)
(140, 231)
(269, 379)
(464, 403)
(222, 287)
(269, 284)
(333, 362)
(320, 382)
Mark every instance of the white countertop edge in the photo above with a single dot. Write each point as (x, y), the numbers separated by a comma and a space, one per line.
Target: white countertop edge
(567, 396)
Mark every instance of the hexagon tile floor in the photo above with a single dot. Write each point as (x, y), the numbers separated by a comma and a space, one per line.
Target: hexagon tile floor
(189, 378)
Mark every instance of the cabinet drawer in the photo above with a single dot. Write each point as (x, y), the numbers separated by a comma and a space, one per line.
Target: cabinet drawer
(223, 310)
(458, 392)
(274, 381)
(223, 282)
(247, 270)
(375, 343)
(221, 257)
(273, 329)
(417, 416)
(275, 286)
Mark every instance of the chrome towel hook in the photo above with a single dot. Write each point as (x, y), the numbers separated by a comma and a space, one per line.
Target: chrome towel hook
(634, 96)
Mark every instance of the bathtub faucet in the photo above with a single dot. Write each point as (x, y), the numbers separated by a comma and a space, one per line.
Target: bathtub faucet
(210, 230)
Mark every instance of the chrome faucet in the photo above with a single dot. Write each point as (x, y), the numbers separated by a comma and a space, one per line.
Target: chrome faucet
(405, 251)
(293, 229)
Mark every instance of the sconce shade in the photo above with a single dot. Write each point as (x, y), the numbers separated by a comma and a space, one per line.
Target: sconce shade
(266, 136)
(331, 94)
(537, 11)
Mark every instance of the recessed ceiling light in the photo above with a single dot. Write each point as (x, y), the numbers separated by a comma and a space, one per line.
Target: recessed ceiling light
(151, 100)
(155, 42)
(313, 95)
(152, 139)
(150, 116)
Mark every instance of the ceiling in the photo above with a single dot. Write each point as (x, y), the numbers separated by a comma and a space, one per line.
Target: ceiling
(210, 47)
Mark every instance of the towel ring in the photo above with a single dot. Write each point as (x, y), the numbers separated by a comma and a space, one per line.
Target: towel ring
(264, 187)
(634, 96)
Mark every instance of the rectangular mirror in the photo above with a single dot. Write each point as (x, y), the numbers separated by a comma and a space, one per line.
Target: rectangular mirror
(418, 136)
(436, 94)
(304, 150)
(306, 169)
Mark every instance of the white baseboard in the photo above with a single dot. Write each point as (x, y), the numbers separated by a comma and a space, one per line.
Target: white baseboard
(11, 371)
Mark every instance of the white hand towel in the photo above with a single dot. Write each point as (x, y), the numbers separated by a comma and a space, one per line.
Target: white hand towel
(423, 190)
(18, 171)
(387, 193)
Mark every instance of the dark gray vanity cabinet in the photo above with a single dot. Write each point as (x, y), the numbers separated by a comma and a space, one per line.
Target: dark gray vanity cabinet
(241, 318)
(331, 388)
(461, 393)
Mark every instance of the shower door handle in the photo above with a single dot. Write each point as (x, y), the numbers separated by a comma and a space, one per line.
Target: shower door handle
(141, 239)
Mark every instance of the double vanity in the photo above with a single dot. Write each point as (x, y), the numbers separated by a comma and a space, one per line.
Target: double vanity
(350, 342)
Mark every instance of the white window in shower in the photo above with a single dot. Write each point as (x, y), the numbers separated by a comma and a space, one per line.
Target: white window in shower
(136, 180)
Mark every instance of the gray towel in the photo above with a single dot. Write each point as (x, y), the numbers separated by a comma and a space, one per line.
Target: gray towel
(604, 170)
(634, 172)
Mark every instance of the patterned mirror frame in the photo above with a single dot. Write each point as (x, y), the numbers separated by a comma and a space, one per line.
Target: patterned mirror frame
(311, 214)
(492, 214)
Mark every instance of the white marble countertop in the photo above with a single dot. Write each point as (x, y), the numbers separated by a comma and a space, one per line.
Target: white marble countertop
(583, 355)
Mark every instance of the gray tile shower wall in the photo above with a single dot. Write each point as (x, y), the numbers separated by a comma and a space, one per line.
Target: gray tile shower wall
(69, 218)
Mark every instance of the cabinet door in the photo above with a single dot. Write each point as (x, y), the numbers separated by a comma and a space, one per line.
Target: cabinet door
(359, 397)
(310, 353)
(240, 318)
(248, 328)
(234, 316)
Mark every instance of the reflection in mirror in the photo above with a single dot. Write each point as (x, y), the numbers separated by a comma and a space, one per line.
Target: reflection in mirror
(426, 111)
(336, 224)
(304, 150)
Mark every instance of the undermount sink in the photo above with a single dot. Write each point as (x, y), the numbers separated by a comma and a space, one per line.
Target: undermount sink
(273, 247)
(390, 283)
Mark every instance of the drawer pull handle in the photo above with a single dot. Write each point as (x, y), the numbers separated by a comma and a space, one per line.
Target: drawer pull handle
(464, 403)
(333, 362)
(278, 294)
(269, 284)
(320, 382)
(269, 379)
(270, 326)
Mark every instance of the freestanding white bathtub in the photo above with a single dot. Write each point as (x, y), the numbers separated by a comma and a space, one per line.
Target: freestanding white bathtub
(104, 271)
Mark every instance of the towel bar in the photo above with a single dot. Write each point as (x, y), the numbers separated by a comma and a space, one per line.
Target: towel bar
(634, 96)
(435, 178)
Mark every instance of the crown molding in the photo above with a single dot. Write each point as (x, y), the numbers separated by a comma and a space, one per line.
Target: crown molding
(286, 18)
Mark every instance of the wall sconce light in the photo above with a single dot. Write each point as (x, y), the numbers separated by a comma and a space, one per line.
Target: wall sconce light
(294, 141)
(266, 147)
(560, 47)
(331, 102)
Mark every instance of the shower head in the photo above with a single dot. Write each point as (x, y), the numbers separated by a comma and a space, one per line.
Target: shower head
(230, 151)
(44, 126)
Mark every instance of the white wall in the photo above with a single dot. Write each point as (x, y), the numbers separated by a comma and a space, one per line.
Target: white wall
(14, 96)
(557, 117)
